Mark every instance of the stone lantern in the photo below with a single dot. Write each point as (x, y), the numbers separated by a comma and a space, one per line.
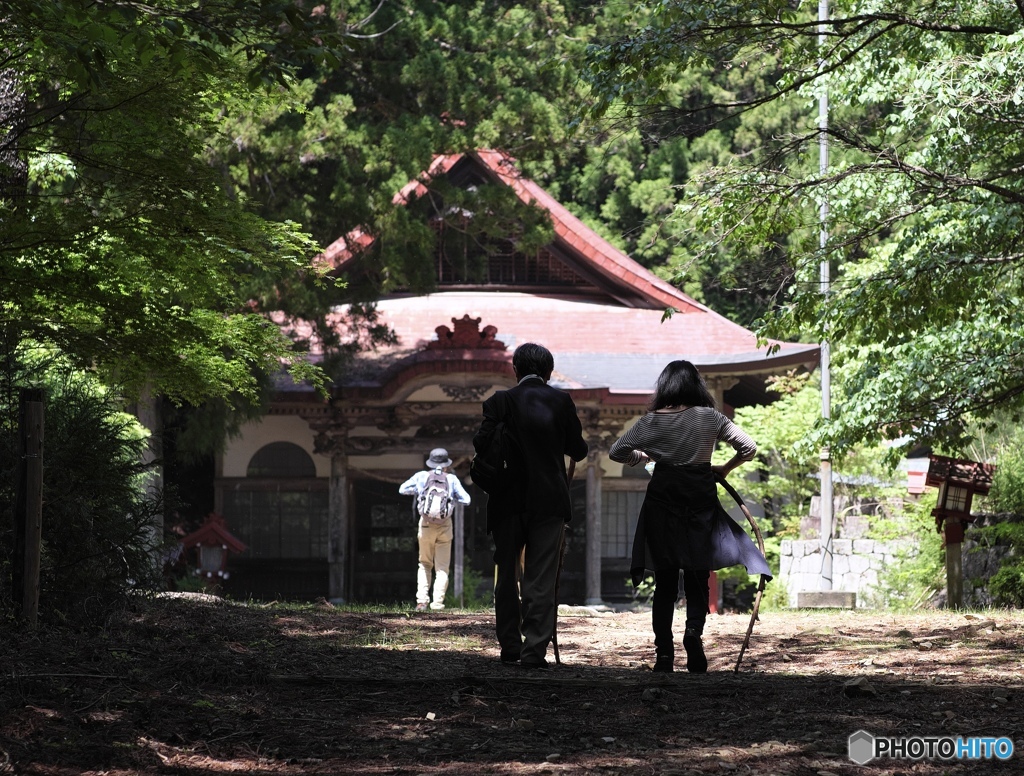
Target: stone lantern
(212, 542)
(957, 480)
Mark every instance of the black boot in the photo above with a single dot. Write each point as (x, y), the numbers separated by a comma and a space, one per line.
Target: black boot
(695, 585)
(666, 594)
(696, 660)
(664, 650)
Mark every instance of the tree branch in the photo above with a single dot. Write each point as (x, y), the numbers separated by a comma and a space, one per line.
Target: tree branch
(811, 27)
(954, 181)
(737, 108)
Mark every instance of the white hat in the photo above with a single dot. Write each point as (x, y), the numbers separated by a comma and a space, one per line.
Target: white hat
(438, 459)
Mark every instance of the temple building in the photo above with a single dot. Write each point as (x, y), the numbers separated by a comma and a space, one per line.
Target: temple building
(312, 488)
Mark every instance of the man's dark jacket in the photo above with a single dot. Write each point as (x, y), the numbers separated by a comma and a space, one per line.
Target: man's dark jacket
(548, 428)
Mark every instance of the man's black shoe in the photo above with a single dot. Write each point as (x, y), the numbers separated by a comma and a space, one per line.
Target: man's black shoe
(663, 664)
(508, 658)
(696, 661)
(542, 665)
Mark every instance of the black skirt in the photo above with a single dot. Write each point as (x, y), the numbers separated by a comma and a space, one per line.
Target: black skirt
(682, 525)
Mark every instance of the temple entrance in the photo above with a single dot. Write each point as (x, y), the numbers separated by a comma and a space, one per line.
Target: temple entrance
(385, 552)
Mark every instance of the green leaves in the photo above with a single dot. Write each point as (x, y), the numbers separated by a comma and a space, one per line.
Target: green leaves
(98, 507)
(923, 187)
(124, 250)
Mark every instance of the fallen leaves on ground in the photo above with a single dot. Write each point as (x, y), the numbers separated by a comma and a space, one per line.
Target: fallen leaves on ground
(199, 686)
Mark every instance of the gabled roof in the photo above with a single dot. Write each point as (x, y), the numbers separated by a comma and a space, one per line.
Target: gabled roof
(617, 341)
(213, 531)
(637, 286)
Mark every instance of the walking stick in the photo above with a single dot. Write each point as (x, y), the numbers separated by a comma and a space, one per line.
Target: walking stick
(558, 572)
(760, 585)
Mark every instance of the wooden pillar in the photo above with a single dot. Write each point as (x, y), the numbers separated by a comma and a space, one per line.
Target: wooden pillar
(954, 576)
(337, 528)
(593, 567)
(954, 535)
(459, 553)
(718, 386)
(218, 490)
(30, 502)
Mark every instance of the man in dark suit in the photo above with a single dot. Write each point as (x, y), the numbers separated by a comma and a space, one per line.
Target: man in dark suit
(532, 517)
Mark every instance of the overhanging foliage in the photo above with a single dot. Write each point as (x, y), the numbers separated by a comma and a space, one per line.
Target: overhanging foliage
(924, 189)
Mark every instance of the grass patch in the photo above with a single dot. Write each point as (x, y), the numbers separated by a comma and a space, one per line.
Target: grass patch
(395, 636)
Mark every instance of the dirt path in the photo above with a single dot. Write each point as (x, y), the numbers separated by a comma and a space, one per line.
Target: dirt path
(191, 687)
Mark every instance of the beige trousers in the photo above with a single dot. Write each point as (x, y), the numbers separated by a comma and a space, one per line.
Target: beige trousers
(435, 555)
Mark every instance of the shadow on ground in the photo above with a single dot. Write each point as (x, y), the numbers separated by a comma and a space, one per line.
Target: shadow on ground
(194, 687)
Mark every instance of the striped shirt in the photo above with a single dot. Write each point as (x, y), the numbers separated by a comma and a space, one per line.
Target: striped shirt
(685, 437)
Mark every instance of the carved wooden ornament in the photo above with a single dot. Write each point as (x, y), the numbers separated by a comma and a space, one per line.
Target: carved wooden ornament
(466, 333)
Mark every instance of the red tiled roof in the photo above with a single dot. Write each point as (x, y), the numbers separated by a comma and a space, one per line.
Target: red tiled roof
(594, 344)
(213, 531)
(568, 325)
(606, 257)
(619, 346)
(339, 252)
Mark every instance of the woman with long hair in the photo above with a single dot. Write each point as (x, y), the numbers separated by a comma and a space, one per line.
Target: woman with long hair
(682, 525)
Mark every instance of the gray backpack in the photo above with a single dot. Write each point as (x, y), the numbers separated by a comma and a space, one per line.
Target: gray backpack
(435, 503)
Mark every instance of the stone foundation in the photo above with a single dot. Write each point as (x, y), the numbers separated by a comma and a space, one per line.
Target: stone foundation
(855, 565)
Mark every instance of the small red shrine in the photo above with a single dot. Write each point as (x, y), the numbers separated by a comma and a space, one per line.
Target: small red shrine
(212, 542)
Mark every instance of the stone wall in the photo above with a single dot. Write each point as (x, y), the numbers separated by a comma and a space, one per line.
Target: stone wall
(856, 564)
(981, 559)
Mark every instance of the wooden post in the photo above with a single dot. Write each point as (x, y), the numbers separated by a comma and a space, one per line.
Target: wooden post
(459, 554)
(954, 534)
(954, 576)
(31, 486)
(337, 528)
(593, 568)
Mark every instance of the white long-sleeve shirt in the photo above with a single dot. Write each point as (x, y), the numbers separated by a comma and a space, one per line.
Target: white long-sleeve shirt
(415, 485)
(680, 438)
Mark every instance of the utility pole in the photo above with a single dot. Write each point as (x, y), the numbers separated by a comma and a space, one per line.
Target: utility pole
(825, 597)
(826, 377)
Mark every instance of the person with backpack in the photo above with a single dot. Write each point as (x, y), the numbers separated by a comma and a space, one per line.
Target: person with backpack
(436, 491)
(527, 508)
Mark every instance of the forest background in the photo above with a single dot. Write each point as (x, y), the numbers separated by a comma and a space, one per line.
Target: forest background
(168, 172)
